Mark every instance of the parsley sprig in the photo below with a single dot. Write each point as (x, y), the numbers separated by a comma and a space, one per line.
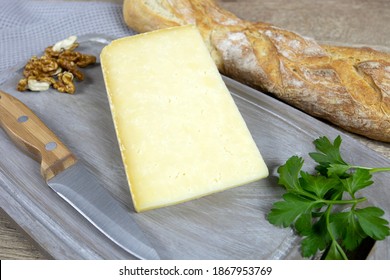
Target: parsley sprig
(324, 207)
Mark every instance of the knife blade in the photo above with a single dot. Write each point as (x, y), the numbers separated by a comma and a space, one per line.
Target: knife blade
(71, 179)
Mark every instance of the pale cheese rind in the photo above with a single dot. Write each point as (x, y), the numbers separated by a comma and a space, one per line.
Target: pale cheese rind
(180, 133)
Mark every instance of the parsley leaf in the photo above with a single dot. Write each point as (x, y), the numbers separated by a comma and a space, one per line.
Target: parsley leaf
(359, 180)
(335, 169)
(309, 204)
(316, 239)
(351, 235)
(303, 224)
(371, 222)
(319, 185)
(289, 173)
(284, 213)
(329, 153)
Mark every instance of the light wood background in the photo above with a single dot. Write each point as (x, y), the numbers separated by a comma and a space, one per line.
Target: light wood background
(345, 21)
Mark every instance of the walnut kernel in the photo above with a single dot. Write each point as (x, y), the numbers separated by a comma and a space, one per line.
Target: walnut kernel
(65, 83)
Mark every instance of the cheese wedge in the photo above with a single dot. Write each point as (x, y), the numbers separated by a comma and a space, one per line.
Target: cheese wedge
(180, 133)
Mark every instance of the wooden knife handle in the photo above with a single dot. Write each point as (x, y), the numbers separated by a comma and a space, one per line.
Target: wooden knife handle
(32, 135)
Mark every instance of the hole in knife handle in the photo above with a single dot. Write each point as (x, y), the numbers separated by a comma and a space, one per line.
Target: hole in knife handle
(50, 146)
(22, 119)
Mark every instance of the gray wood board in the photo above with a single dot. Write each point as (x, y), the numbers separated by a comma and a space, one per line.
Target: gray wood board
(226, 225)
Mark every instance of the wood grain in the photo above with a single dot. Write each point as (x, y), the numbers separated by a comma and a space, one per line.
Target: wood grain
(14, 243)
(33, 136)
(348, 22)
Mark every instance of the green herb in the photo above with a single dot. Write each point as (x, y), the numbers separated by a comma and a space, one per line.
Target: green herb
(324, 208)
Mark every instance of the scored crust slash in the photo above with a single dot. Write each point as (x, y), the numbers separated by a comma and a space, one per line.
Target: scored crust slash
(347, 86)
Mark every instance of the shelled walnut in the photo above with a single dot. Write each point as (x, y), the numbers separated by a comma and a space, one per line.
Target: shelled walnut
(57, 67)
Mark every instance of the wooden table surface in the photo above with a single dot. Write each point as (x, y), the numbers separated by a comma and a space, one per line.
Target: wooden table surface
(346, 21)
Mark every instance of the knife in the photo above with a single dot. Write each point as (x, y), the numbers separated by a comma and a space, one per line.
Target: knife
(72, 180)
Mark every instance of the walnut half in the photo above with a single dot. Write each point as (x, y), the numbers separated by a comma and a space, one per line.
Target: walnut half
(65, 83)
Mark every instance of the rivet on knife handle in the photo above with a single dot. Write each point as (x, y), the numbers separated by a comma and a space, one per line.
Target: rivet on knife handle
(28, 131)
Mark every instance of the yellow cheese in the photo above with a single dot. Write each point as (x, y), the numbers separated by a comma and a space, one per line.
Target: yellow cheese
(180, 133)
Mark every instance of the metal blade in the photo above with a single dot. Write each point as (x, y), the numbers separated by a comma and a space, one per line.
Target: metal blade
(80, 188)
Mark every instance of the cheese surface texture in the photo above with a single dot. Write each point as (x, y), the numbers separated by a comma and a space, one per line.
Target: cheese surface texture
(180, 133)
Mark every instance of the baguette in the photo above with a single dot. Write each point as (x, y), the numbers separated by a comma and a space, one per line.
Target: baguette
(349, 87)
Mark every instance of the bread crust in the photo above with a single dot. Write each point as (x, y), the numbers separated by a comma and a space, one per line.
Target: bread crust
(349, 87)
